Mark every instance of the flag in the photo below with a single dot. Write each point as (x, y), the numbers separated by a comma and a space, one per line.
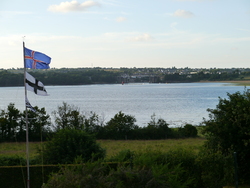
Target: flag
(35, 85)
(28, 105)
(36, 60)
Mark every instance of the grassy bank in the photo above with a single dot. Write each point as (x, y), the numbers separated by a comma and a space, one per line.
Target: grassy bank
(234, 82)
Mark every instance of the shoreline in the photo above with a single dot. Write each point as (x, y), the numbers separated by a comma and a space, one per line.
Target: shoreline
(237, 82)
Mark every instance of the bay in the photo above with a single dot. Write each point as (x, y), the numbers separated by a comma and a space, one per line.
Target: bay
(177, 103)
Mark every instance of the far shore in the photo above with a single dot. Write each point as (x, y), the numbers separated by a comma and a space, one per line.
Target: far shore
(236, 82)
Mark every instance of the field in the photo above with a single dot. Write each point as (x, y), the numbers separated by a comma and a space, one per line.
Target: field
(112, 146)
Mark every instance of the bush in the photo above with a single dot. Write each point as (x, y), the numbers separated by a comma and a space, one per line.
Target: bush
(187, 131)
(83, 175)
(96, 174)
(67, 144)
(228, 130)
(120, 126)
(12, 161)
(123, 156)
(216, 169)
(183, 158)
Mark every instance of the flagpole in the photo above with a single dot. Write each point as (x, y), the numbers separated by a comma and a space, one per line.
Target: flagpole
(26, 120)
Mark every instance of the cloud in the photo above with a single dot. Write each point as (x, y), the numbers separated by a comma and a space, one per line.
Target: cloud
(141, 38)
(183, 14)
(173, 25)
(121, 19)
(72, 6)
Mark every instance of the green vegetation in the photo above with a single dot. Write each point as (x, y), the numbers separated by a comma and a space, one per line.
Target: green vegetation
(13, 125)
(228, 130)
(187, 152)
(68, 144)
(112, 147)
(97, 75)
(12, 149)
(120, 127)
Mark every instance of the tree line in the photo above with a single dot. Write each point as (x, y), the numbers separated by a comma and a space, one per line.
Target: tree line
(80, 76)
(121, 126)
(201, 76)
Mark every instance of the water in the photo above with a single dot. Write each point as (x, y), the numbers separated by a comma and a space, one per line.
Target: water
(177, 104)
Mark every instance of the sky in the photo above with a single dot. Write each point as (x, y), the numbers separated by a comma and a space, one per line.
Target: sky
(127, 33)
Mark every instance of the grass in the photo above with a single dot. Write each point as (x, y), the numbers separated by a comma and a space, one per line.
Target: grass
(115, 146)
(112, 146)
(18, 149)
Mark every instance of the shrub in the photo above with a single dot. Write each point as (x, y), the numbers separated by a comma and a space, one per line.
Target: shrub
(187, 131)
(67, 144)
(123, 156)
(97, 174)
(12, 161)
(216, 169)
(120, 126)
(228, 130)
(84, 175)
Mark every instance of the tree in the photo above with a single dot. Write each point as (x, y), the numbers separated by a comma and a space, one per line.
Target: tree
(120, 126)
(13, 124)
(157, 128)
(187, 131)
(228, 129)
(39, 125)
(69, 144)
(10, 123)
(68, 116)
(91, 124)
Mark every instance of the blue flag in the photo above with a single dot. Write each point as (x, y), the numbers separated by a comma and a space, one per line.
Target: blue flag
(36, 60)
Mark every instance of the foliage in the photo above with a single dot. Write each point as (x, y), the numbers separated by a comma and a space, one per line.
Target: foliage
(39, 124)
(123, 156)
(16, 176)
(157, 129)
(228, 129)
(187, 131)
(123, 126)
(183, 158)
(216, 169)
(9, 122)
(68, 116)
(13, 124)
(84, 175)
(99, 175)
(12, 161)
(67, 144)
(120, 126)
